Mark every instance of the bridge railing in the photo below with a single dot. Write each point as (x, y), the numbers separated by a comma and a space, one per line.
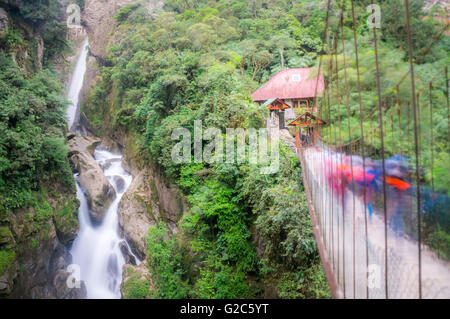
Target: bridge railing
(369, 256)
(382, 223)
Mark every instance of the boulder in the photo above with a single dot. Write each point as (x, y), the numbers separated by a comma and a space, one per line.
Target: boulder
(82, 144)
(111, 146)
(63, 291)
(99, 192)
(65, 220)
(129, 258)
(120, 183)
(7, 280)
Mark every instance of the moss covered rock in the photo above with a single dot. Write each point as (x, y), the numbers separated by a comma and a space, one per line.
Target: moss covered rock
(137, 282)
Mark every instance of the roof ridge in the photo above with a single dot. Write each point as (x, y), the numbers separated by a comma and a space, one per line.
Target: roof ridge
(278, 73)
(275, 79)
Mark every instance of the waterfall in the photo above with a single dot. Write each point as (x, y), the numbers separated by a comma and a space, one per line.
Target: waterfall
(76, 85)
(98, 249)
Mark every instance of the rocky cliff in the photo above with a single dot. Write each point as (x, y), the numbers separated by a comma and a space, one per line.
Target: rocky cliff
(149, 200)
(35, 240)
(28, 53)
(98, 19)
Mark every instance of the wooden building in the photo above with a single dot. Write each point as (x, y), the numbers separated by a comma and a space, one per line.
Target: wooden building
(297, 88)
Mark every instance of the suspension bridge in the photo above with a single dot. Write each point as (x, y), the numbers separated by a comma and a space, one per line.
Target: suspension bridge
(380, 221)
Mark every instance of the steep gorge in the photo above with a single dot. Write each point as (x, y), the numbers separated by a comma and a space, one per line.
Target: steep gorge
(125, 189)
(147, 200)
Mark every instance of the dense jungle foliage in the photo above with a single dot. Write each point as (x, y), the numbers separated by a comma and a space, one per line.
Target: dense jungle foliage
(200, 60)
(34, 165)
(430, 55)
(246, 234)
(32, 106)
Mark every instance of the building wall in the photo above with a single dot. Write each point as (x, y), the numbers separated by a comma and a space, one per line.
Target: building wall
(289, 113)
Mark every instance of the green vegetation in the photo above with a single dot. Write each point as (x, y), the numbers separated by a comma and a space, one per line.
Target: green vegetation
(32, 125)
(165, 262)
(201, 61)
(36, 181)
(136, 287)
(48, 17)
(6, 259)
(245, 232)
(32, 147)
(430, 54)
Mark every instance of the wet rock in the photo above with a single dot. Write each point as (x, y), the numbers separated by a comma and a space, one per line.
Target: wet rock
(43, 260)
(129, 258)
(70, 136)
(68, 288)
(67, 224)
(120, 183)
(84, 126)
(99, 192)
(7, 280)
(98, 19)
(107, 164)
(111, 146)
(148, 200)
(135, 215)
(82, 144)
(7, 241)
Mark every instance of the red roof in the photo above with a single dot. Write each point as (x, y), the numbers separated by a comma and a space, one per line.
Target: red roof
(290, 84)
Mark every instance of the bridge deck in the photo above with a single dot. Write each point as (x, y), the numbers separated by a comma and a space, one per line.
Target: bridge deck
(355, 259)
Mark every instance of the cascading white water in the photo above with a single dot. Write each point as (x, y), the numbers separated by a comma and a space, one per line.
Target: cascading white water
(96, 250)
(77, 84)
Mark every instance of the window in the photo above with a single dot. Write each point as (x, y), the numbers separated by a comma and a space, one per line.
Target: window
(300, 103)
(296, 78)
(304, 103)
